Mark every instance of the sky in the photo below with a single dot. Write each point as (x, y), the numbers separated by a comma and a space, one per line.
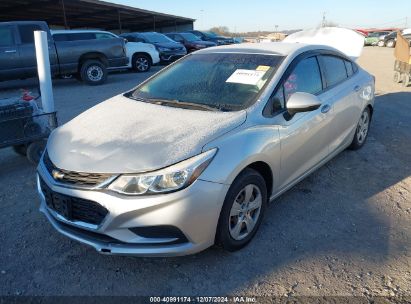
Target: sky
(254, 15)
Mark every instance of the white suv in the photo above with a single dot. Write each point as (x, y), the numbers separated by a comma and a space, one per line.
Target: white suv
(141, 56)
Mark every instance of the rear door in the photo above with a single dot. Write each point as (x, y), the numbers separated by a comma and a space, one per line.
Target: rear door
(9, 54)
(342, 94)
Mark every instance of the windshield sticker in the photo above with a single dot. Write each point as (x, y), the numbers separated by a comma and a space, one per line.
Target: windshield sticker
(263, 68)
(246, 76)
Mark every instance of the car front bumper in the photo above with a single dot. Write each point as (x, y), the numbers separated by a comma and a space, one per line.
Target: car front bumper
(193, 211)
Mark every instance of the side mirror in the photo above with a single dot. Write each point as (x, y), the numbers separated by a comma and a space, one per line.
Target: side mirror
(125, 40)
(302, 102)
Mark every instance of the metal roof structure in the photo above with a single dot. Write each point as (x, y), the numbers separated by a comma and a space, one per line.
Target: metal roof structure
(72, 14)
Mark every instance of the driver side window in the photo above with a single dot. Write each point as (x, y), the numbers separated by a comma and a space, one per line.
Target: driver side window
(306, 77)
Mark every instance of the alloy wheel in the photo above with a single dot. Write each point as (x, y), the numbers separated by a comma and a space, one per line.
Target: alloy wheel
(142, 64)
(95, 73)
(363, 125)
(245, 212)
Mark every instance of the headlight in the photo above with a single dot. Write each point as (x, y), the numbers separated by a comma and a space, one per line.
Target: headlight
(221, 41)
(173, 178)
(162, 49)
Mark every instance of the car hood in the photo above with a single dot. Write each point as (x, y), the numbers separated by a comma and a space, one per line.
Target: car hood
(122, 135)
(170, 45)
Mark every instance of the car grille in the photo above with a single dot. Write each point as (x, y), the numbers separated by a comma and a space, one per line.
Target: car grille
(74, 178)
(73, 208)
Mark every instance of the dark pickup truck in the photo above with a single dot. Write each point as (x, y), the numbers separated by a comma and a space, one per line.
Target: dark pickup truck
(88, 60)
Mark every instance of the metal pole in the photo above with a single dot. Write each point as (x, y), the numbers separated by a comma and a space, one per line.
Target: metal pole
(64, 14)
(119, 21)
(43, 69)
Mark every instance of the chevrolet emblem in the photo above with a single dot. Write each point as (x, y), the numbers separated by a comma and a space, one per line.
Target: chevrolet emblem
(57, 175)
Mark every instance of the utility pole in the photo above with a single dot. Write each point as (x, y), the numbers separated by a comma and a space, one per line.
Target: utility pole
(324, 21)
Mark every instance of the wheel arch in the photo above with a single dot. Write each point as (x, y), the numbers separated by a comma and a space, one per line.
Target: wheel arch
(141, 53)
(92, 56)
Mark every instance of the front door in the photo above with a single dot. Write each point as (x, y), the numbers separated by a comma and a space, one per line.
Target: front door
(9, 53)
(305, 136)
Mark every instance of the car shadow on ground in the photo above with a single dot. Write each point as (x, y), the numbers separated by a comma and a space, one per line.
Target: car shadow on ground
(337, 213)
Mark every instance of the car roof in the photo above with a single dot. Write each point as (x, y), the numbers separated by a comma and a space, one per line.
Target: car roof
(273, 48)
(53, 32)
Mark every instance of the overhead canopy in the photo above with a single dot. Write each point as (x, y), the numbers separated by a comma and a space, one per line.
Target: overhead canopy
(90, 14)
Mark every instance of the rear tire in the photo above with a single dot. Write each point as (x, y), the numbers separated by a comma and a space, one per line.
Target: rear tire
(242, 211)
(35, 151)
(93, 72)
(381, 43)
(141, 63)
(361, 132)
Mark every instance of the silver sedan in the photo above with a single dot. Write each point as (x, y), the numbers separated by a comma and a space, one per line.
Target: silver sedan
(191, 157)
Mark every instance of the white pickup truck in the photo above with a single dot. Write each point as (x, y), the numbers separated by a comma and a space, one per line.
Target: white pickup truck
(141, 56)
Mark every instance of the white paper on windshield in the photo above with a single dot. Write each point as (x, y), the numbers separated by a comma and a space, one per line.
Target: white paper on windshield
(246, 76)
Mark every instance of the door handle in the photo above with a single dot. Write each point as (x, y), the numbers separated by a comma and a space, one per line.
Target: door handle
(325, 108)
(357, 88)
(11, 51)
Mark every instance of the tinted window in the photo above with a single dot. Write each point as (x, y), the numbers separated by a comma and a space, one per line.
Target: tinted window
(224, 81)
(306, 77)
(190, 37)
(27, 32)
(104, 36)
(6, 36)
(156, 37)
(82, 36)
(60, 37)
(335, 71)
(349, 68)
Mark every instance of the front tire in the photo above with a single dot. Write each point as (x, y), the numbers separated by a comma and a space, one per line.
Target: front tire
(35, 150)
(93, 72)
(406, 80)
(361, 133)
(141, 63)
(397, 77)
(390, 43)
(242, 211)
(381, 43)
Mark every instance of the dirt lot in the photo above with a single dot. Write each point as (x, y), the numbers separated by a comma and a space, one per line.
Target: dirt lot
(345, 230)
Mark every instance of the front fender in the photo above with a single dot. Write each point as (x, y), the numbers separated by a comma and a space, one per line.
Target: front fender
(240, 148)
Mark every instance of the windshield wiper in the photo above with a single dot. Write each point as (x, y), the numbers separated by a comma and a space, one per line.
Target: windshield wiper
(176, 103)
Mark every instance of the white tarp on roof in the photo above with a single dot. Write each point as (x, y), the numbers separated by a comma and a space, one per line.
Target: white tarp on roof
(345, 40)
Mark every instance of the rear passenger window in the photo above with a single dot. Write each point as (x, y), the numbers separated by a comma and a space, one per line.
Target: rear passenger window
(335, 70)
(349, 68)
(60, 37)
(104, 36)
(305, 78)
(27, 32)
(82, 36)
(6, 36)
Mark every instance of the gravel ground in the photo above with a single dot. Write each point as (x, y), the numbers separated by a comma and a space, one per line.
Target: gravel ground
(345, 230)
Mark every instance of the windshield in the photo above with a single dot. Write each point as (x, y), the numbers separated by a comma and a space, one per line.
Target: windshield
(156, 38)
(210, 34)
(190, 37)
(223, 81)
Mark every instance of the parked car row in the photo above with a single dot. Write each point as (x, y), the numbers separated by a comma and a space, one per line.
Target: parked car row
(90, 54)
(385, 38)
